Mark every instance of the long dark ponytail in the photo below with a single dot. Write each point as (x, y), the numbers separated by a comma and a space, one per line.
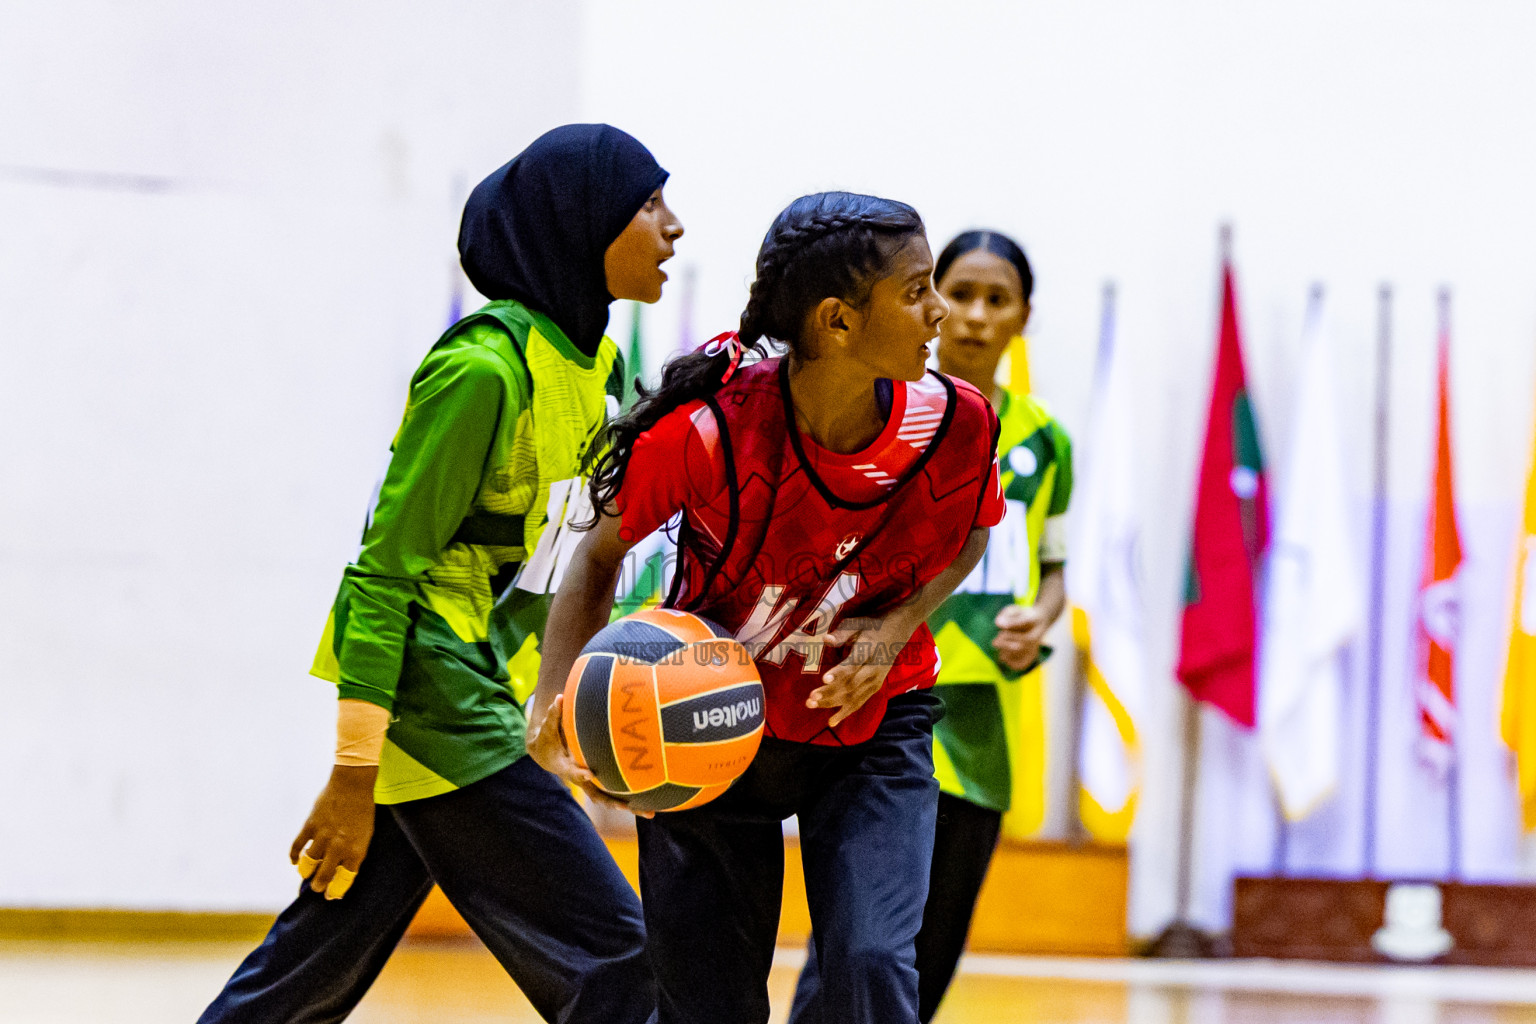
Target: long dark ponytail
(831, 244)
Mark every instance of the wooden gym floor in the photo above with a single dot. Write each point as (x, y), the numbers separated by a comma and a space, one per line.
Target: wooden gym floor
(101, 982)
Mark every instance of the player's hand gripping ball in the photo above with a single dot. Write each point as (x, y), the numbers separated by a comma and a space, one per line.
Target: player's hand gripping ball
(664, 708)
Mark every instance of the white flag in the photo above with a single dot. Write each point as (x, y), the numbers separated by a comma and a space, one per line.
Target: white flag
(1314, 605)
(1104, 583)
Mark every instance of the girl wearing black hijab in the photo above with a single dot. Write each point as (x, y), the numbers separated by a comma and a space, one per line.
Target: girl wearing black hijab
(433, 641)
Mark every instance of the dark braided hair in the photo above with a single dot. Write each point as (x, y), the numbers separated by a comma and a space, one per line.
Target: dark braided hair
(827, 245)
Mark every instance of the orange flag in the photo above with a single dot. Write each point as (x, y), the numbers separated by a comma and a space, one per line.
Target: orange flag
(1439, 618)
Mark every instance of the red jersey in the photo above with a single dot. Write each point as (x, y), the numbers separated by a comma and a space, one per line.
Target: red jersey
(781, 541)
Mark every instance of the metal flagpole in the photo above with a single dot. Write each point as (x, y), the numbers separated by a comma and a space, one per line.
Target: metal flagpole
(1181, 939)
(1453, 771)
(1378, 575)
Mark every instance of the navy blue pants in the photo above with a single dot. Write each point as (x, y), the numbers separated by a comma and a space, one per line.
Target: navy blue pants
(519, 860)
(712, 878)
(965, 836)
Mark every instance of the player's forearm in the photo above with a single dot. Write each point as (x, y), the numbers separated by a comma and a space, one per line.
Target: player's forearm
(581, 607)
(927, 600)
(1051, 599)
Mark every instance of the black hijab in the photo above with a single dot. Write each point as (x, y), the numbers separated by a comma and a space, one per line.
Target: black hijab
(536, 229)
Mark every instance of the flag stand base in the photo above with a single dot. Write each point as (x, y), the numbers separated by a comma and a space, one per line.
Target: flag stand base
(1361, 920)
(1182, 941)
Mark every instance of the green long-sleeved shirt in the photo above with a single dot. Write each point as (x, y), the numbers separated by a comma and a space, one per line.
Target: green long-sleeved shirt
(499, 417)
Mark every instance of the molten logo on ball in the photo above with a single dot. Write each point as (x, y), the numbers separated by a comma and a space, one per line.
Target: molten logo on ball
(728, 716)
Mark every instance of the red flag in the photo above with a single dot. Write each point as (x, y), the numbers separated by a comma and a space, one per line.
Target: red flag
(1439, 618)
(1219, 637)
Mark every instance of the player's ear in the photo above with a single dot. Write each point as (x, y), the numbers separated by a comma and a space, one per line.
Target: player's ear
(1024, 321)
(833, 321)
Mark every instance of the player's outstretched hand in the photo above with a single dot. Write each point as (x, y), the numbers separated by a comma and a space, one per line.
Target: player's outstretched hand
(547, 746)
(859, 676)
(338, 831)
(1020, 633)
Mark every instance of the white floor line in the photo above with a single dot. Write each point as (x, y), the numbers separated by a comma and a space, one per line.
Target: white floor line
(1448, 984)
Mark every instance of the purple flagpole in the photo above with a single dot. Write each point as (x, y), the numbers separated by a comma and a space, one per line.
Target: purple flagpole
(1378, 577)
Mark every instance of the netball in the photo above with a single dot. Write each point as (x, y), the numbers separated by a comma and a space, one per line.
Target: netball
(665, 709)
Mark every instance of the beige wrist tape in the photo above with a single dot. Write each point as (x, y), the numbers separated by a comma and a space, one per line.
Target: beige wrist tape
(360, 729)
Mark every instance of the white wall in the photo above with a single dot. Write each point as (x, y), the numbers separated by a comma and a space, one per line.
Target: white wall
(226, 238)
(1348, 142)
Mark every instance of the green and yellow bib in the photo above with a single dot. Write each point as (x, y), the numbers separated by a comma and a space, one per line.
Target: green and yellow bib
(439, 617)
(989, 746)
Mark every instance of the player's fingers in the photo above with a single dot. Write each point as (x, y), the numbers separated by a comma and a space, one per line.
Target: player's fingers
(598, 796)
(327, 869)
(606, 799)
(831, 683)
(841, 714)
(315, 854)
(1013, 616)
(831, 692)
(547, 734)
(306, 865)
(1008, 640)
(848, 708)
(1019, 659)
(296, 851)
(341, 881)
(868, 676)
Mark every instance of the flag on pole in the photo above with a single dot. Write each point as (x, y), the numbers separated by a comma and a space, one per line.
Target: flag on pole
(1219, 636)
(1314, 603)
(1439, 605)
(1518, 716)
(1104, 580)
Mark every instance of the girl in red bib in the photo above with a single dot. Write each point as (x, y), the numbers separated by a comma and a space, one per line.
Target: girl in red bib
(829, 498)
